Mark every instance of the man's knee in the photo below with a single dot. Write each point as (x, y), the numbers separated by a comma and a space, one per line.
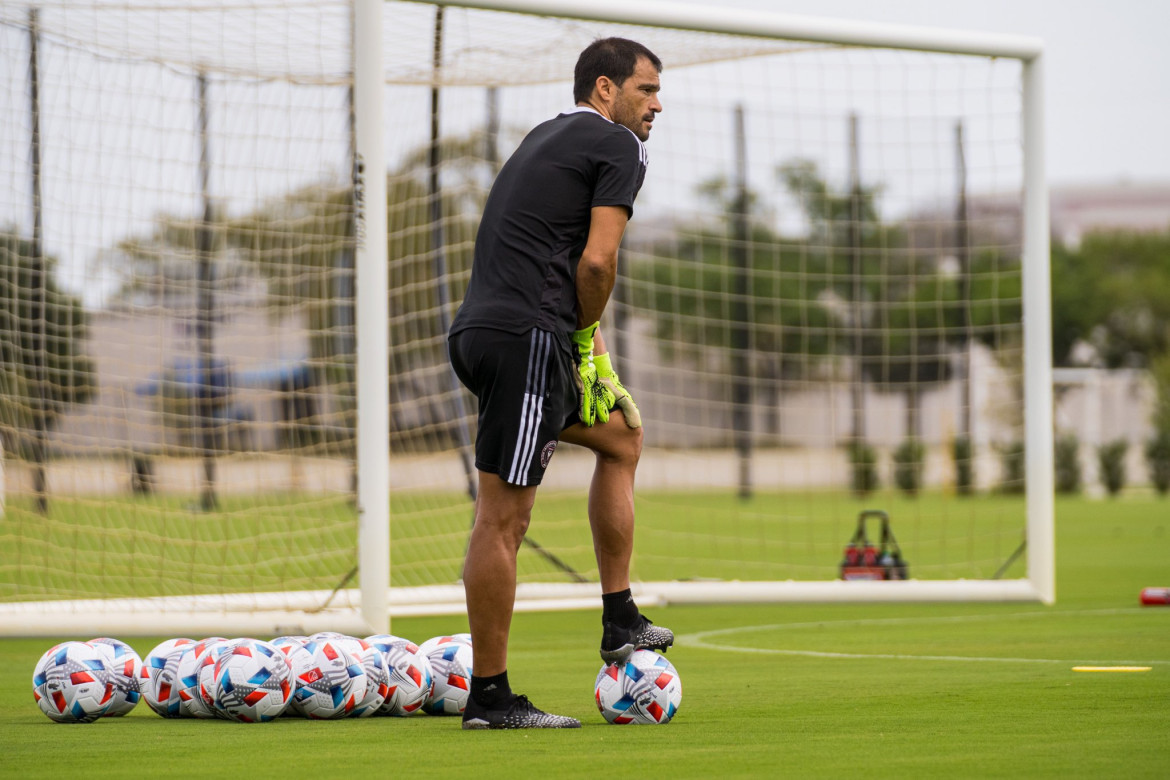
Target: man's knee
(503, 508)
(636, 438)
(507, 528)
(613, 441)
(624, 444)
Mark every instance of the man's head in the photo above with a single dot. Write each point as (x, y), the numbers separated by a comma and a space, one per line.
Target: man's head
(619, 78)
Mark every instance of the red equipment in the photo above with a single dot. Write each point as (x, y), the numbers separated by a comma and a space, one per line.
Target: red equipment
(865, 561)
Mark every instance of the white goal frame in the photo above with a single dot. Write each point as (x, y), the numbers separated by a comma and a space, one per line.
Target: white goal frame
(370, 607)
(1040, 582)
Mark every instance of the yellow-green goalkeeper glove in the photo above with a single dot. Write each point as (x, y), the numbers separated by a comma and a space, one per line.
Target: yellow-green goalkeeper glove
(596, 398)
(608, 377)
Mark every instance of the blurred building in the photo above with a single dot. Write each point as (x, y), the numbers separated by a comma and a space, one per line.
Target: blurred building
(146, 354)
(1080, 209)
(1074, 211)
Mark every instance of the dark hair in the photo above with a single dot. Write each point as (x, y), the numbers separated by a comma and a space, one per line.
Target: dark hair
(612, 57)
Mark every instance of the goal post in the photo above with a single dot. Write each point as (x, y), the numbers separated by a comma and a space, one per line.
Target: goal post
(833, 297)
(1038, 342)
(373, 371)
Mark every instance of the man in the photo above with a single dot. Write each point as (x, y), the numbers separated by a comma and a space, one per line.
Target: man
(526, 342)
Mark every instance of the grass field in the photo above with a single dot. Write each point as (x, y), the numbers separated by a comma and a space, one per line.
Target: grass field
(164, 546)
(980, 690)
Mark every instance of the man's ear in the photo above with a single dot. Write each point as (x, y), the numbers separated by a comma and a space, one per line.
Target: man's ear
(604, 87)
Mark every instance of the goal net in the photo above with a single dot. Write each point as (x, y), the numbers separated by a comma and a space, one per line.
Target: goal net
(821, 309)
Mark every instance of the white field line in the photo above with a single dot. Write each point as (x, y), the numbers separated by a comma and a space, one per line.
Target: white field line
(700, 639)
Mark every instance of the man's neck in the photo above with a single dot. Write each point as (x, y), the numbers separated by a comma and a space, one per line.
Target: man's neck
(597, 109)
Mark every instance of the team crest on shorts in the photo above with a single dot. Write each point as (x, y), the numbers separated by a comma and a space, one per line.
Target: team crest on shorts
(547, 453)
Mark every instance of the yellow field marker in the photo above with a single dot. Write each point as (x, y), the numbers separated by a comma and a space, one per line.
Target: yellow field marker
(1112, 668)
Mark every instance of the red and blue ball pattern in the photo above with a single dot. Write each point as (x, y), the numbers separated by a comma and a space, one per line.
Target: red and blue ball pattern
(253, 682)
(334, 684)
(72, 683)
(644, 690)
(159, 679)
(125, 666)
(196, 671)
(377, 675)
(410, 675)
(451, 667)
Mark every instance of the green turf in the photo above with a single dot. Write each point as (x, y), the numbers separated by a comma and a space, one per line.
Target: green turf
(944, 690)
(165, 546)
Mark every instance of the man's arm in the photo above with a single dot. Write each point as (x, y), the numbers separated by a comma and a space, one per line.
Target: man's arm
(597, 268)
(596, 272)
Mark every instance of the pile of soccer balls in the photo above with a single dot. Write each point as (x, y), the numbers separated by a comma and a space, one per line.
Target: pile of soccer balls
(325, 676)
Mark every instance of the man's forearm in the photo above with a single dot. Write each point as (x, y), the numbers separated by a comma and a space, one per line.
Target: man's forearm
(595, 280)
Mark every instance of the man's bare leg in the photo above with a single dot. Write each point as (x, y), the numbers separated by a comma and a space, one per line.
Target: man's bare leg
(611, 495)
(611, 517)
(502, 514)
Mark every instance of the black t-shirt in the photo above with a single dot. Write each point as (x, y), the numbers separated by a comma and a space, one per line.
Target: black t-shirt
(536, 222)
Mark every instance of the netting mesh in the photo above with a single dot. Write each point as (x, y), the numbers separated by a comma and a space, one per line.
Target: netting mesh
(816, 312)
(182, 180)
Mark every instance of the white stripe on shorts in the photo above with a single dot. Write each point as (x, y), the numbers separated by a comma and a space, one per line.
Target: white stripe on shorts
(533, 409)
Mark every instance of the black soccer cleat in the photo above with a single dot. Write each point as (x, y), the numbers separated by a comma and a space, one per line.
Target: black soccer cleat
(519, 714)
(618, 643)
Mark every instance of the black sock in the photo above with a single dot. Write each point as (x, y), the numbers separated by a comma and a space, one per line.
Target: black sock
(490, 691)
(619, 608)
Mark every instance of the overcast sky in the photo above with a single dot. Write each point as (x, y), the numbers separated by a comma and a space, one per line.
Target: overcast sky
(1107, 68)
(1108, 109)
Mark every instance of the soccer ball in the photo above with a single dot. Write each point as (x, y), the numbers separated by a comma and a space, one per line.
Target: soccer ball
(646, 689)
(410, 674)
(159, 679)
(333, 686)
(377, 675)
(125, 666)
(300, 662)
(205, 671)
(451, 663)
(253, 683)
(196, 657)
(72, 684)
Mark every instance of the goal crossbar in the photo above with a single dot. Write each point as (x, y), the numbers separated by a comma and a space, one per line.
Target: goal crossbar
(772, 24)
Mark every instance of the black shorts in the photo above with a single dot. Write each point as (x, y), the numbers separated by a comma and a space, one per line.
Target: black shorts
(527, 391)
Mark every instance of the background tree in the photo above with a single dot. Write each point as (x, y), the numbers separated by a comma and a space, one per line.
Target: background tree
(911, 304)
(1112, 292)
(829, 212)
(908, 312)
(803, 289)
(805, 292)
(686, 281)
(1111, 308)
(298, 243)
(25, 401)
(690, 280)
(1157, 448)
